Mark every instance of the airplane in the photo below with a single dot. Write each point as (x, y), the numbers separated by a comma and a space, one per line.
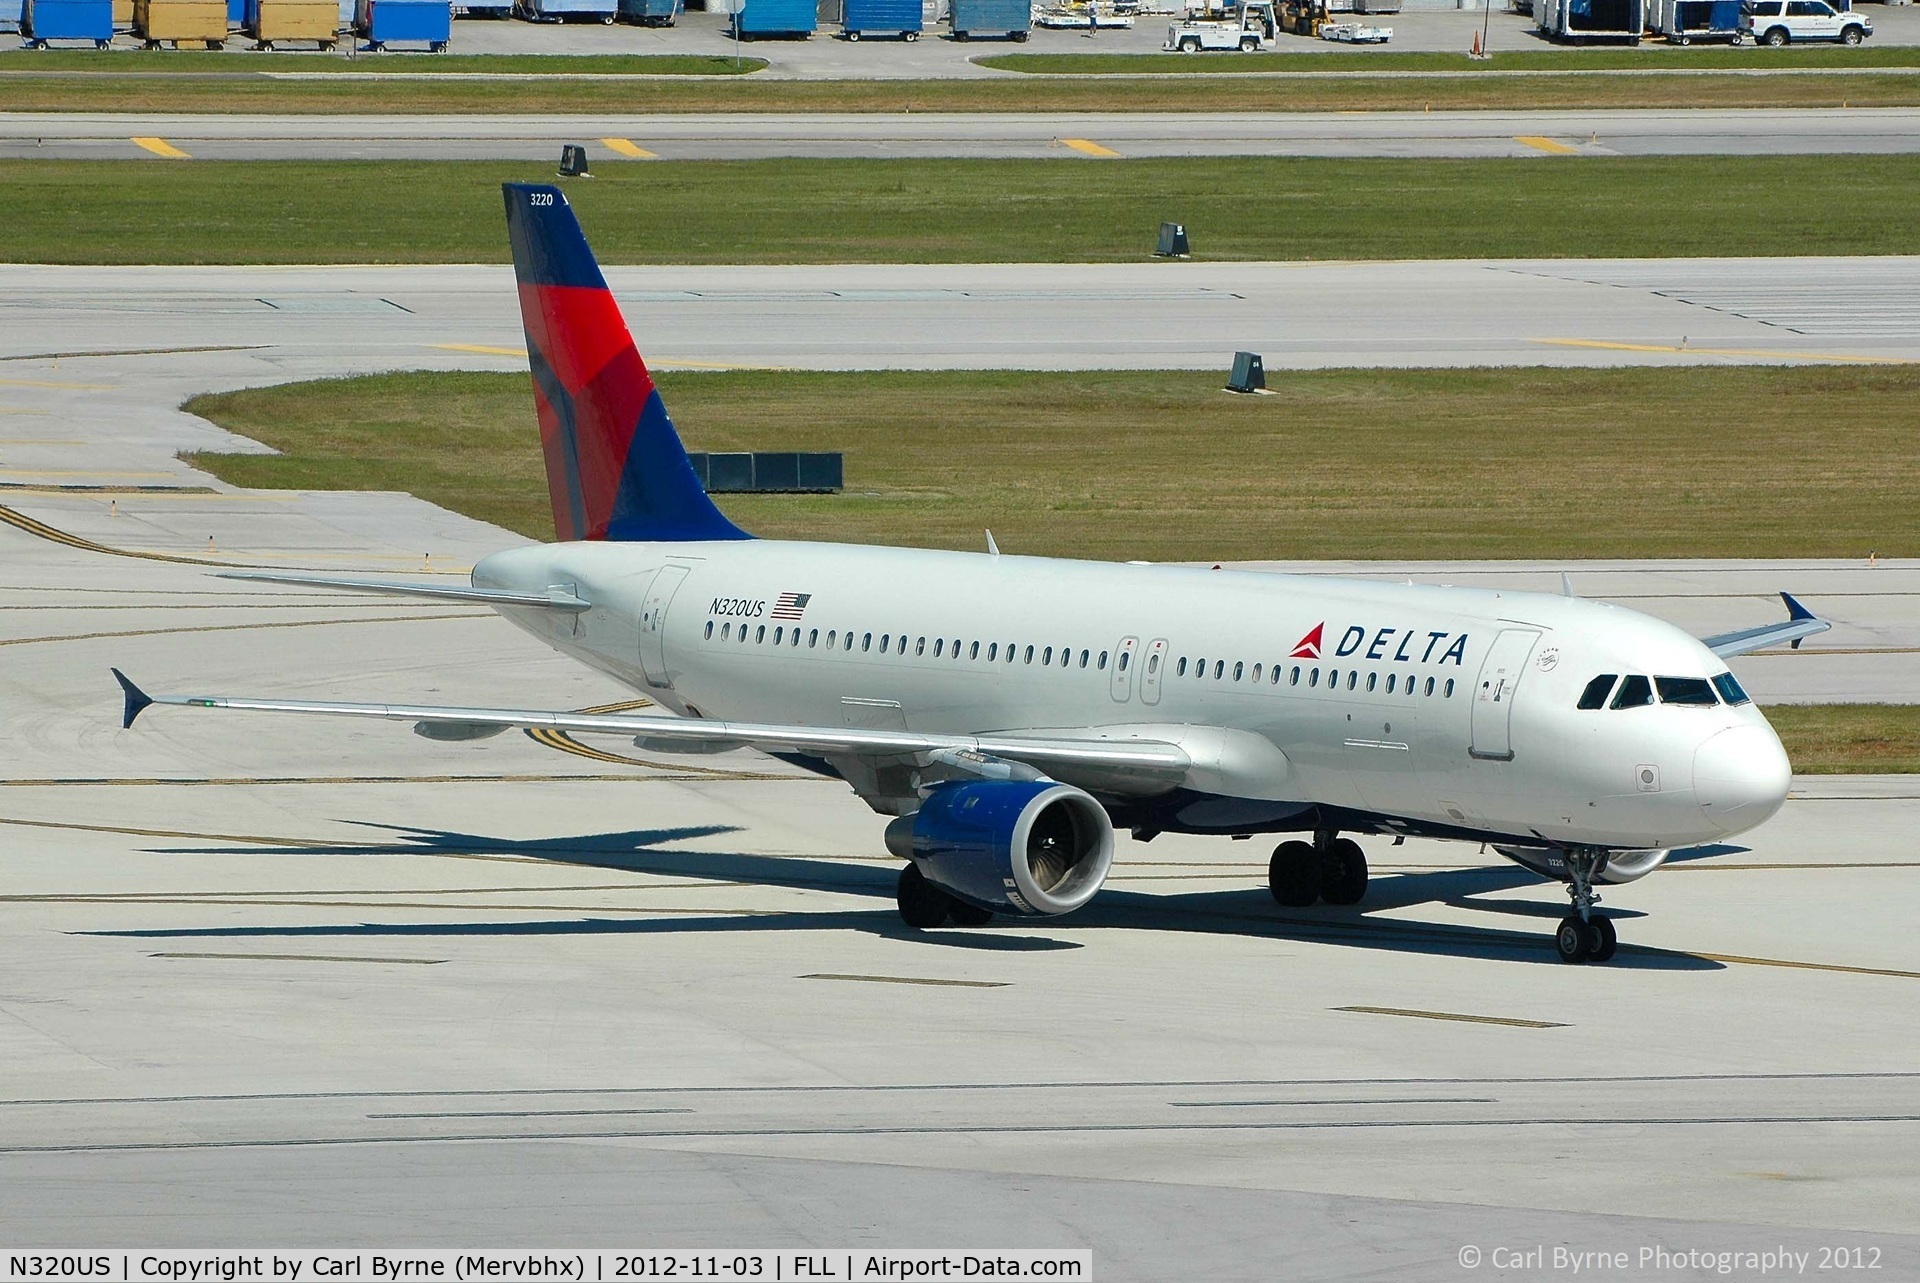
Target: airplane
(1009, 714)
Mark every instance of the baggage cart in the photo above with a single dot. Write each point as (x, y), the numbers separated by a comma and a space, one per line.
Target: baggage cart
(652, 13)
(44, 20)
(384, 21)
(970, 18)
(1580, 21)
(602, 11)
(272, 22)
(882, 18)
(10, 11)
(1684, 21)
(776, 18)
(180, 22)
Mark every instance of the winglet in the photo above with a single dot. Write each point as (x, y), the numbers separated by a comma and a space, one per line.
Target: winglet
(1794, 609)
(137, 699)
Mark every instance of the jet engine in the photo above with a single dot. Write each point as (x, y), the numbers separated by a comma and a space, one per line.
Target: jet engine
(1030, 847)
(1619, 867)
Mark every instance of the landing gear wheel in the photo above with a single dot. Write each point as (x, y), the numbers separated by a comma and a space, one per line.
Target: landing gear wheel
(922, 904)
(969, 915)
(1343, 874)
(1572, 940)
(1293, 875)
(1601, 940)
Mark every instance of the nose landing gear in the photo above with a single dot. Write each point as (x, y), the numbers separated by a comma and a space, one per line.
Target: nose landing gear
(1583, 935)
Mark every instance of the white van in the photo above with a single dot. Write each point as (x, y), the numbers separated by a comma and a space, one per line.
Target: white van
(1775, 22)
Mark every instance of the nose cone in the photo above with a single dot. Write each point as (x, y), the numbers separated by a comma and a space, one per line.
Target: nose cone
(1740, 777)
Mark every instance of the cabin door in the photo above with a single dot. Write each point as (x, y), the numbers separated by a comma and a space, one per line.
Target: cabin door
(1492, 738)
(653, 625)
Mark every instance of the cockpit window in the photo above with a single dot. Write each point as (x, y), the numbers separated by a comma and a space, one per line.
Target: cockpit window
(1635, 691)
(1730, 689)
(1685, 690)
(1595, 695)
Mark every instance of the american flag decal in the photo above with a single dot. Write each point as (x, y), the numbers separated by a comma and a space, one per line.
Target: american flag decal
(791, 605)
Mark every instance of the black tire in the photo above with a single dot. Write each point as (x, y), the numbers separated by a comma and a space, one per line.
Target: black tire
(1852, 36)
(1603, 941)
(1189, 45)
(1343, 876)
(961, 36)
(1737, 39)
(910, 36)
(1249, 45)
(1018, 37)
(1293, 875)
(1571, 941)
(1683, 41)
(1777, 38)
(853, 36)
(969, 915)
(922, 905)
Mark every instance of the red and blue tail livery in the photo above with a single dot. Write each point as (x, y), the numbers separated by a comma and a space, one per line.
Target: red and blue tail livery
(615, 467)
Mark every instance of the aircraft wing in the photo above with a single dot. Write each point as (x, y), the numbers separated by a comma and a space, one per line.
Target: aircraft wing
(556, 598)
(1800, 624)
(1156, 759)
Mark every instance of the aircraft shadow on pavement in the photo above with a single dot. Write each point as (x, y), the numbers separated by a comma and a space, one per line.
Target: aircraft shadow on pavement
(1235, 912)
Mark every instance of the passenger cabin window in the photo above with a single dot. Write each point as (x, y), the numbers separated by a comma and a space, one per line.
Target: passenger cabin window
(1730, 689)
(1635, 692)
(866, 642)
(709, 630)
(1180, 669)
(920, 647)
(1595, 695)
(1101, 664)
(973, 650)
(1293, 678)
(1239, 671)
(1046, 657)
(1126, 658)
(1373, 679)
(1685, 690)
(1390, 683)
(1429, 685)
(1448, 693)
(778, 633)
(759, 634)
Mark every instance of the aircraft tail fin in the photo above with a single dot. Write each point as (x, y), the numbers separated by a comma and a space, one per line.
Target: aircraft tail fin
(615, 467)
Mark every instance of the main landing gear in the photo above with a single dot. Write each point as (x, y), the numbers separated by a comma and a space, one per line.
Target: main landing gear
(924, 905)
(1330, 868)
(1583, 935)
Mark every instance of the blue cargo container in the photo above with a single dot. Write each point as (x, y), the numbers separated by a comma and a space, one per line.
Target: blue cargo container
(428, 21)
(651, 13)
(44, 20)
(10, 14)
(236, 14)
(1010, 18)
(561, 10)
(776, 18)
(882, 18)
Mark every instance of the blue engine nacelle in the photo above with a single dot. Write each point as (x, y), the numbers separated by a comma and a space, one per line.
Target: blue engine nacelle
(1013, 846)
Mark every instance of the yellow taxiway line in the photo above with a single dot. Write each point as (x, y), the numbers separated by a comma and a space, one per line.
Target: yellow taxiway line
(1548, 145)
(628, 148)
(1087, 147)
(1724, 351)
(161, 147)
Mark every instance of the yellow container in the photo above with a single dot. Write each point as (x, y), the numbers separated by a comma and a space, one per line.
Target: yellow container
(298, 20)
(123, 15)
(156, 20)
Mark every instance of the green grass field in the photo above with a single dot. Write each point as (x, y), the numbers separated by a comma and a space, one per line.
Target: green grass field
(1073, 209)
(1162, 465)
(1845, 739)
(132, 89)
(168, 62)
(1662, 58)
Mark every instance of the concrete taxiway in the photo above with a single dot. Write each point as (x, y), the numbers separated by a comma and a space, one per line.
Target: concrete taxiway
(625, 138)
(318, 983)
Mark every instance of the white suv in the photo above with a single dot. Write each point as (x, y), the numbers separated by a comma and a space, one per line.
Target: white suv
(1775, 22)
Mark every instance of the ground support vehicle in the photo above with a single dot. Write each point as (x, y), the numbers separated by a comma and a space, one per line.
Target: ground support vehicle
(1356, 33)
(1779, 22)
(1249, 29)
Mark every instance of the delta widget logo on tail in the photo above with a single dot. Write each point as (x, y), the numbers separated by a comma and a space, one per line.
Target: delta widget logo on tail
(1399, 645)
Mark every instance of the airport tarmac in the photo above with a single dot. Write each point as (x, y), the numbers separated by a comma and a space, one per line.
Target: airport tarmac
(623, 139)
(318, 983)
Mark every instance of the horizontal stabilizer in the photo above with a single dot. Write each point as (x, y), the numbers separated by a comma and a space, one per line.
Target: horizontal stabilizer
(559, 597)
(1800, 624)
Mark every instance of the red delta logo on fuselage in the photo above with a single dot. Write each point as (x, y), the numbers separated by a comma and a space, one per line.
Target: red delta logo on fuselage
(1397, 645)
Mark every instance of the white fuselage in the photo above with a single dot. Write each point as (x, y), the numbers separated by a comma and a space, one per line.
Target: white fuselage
(1448, 708)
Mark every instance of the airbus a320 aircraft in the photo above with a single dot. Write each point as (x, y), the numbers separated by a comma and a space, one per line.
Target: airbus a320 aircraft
(1012, 712)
